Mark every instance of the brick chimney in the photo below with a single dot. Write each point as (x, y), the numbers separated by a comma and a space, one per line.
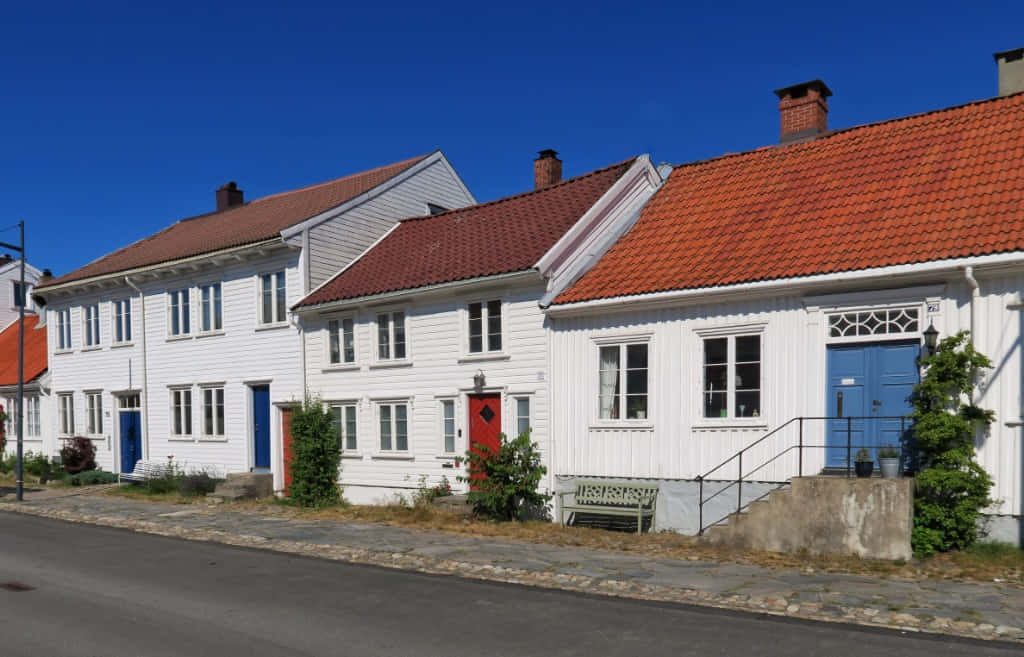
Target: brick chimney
(46, 276)
(547, 169)
(1011, 71)
(228, 196)
(803, 111)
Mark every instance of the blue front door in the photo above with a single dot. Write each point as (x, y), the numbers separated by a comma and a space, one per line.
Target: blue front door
(131, 439)
(874, 381)
(261, 427)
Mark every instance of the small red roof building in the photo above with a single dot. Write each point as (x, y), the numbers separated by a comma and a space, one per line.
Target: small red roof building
(35, 351)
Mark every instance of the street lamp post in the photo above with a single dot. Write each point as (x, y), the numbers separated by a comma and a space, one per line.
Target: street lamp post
(19, 471)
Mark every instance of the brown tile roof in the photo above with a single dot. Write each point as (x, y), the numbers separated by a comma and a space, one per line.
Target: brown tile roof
(35, 351)
(503, 236)
(940, 185)
(256, 221)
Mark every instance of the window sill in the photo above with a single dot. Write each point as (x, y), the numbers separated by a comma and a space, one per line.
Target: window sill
(484, 357)
(730, 423)
(181, 439)
(390, 363)
(383, 456)
(122, 345)
(213, 439)
(643, 425)
(95, 347)
(354, 456)
(450, 457)
(271, 327)
(209, 334)
(341, 367)
(179, 338)
(61, 352)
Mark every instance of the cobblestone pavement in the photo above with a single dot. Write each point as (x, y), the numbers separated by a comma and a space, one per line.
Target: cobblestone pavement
(981, 610)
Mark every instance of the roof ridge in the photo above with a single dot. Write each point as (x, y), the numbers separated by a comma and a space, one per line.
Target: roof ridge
(846, 130)
(529, 192)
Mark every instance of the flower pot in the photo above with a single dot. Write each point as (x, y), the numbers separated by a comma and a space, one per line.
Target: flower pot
(890, 467)
(863, 468)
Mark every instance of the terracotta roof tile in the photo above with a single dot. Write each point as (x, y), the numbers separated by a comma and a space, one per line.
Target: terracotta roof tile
(945, 184)
(503, 236)
(35, 351)
(255, 221)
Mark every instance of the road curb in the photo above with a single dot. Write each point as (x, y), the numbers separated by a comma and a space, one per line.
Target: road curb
(864, 616)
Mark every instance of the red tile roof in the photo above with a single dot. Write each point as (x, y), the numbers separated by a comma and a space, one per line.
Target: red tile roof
(256, 221)
(934, 186)
(503, 236)
(35, 351)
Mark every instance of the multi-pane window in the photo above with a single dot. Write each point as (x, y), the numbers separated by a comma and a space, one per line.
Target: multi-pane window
(344, 416)
(273, 305)
(18, 294)
(484, 326)
(181, 412)
(179, 318)
(123, 321)
(210, 308)
(522, 415)
(32, 419)
(391, 336)
(64, 329)
(94, 413)
(394, 427)
(448, 425)
(732, 376)
(66, 409)
(622, 382)
(213, 412)
(12, 416)
(341, 341)
(92, 325)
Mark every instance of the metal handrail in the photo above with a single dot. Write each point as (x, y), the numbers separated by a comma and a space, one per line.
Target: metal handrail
(800, 446)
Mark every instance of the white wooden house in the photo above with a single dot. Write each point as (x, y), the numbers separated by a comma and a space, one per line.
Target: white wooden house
(11, 294)
(182, 346)
(38, 431)
(758, 288)
(434, 338)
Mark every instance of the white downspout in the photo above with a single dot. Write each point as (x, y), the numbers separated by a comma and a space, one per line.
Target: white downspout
(975, 293)
(145, 371)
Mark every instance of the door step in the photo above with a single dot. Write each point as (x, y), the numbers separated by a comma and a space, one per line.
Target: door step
(245, 486)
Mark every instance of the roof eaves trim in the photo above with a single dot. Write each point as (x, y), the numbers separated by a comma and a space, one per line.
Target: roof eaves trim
(792, 284)
(449, 286)
(383, 187)
(276, 241)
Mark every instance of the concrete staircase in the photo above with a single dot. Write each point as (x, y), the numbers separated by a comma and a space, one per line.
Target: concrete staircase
(244, 486)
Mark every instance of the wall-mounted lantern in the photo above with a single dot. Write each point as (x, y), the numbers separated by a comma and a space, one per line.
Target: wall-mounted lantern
(479, 380)
(931, 338)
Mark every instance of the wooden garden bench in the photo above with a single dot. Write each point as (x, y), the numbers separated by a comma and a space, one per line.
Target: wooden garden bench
(611, 498)
(144, 471)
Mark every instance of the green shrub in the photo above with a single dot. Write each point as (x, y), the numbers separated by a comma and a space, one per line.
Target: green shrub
(952, 488)
(316, 456)
(8, 463)
(196, 484)
(78, 454)
(425, 495)
(92, 478)
(505, 482)
(168, 483)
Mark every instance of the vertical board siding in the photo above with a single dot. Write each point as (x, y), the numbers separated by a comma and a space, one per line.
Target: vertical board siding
(681, 444)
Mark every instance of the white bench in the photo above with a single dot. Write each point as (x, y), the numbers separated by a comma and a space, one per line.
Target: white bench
(145, 470)
(613, 499)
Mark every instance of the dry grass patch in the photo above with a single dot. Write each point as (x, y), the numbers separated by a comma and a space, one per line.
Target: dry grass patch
(142, 494)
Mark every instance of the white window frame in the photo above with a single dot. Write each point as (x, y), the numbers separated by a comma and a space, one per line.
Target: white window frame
(216, 298)
(121, 321)
(93, 413)
(923, 317)
(278, 309)
(486, 351)
(443, 450)
(390, 312)
(183, 325)
(516, 398)
(393, 449)
(174, 405)
(66, 413)
(342, 362)
(64, 343)
(11, 408)
(623, 341)
(33, 420)
(219, 432)
(343, 436)
(732, 332)
(91, 338)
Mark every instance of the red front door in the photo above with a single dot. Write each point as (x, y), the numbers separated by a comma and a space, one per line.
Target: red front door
(286, 440)
(484, 423)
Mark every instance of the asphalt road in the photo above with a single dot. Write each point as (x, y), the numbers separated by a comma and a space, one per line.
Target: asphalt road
(101, 592)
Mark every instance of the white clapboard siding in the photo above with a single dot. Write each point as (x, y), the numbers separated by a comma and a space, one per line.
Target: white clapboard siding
(435, 344)
(342, 239)
(678, 443)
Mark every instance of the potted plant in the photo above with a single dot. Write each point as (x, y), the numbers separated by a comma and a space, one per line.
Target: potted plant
(863, 464)
(889, 462)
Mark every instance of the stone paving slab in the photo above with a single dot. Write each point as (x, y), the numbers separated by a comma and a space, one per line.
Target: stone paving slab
(980, 610)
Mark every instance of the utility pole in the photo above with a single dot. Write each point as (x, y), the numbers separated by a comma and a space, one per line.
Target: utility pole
(19, 472)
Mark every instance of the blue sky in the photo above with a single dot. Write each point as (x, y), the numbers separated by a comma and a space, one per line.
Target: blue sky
(117, 119)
